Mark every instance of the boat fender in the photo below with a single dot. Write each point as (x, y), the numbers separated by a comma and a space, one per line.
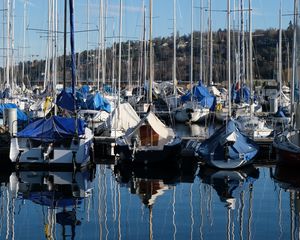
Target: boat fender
(219, 107)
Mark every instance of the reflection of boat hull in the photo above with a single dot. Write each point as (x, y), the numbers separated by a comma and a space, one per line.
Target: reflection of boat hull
(228, 183)
(169, 173)
(288, 157)
(148, 156)
(287, 177)
(53, 189)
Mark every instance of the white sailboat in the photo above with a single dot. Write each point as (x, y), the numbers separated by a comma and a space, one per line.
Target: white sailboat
(191, 111)
(149, 141)
(57, 140)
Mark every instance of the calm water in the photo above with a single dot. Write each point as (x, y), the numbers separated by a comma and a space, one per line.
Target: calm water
(183, 201)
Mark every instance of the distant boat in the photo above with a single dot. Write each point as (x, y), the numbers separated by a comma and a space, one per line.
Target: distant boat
(149, 142)
(254, 127)
(228, 148)
(95, 110)
(121, 119)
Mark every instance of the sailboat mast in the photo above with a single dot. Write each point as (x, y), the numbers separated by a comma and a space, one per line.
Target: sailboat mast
(228, 58)
(72, 46)
(210, 46)
(201, 42)
(24, 38)
(12, 35)
(145, 46)
(192, 48)
(99, 45)
(280, 53)
(294, 54)
(250, 57)
(120, 53)
(87, 40)
(129, 66)
(65, 45)
(151, 56)
(174, 47)
(243, 74)
(7, 41)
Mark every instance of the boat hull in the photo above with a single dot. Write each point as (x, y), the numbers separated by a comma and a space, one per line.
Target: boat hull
(24, 155)
(287, 145)
(148, 156)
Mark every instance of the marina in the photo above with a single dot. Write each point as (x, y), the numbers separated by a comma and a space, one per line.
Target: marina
(174, 119)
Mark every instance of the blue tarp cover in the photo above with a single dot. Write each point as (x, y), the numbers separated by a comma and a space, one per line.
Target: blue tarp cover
(280, 112)
(20, 115)
(53, 128)
(66, 101)
(237, 91)
(96, 102)
(202, 95)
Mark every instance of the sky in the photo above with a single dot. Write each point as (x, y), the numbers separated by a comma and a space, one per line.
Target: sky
(265, 14)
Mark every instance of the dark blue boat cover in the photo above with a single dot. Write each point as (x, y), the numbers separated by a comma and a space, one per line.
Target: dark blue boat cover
(215, 144)
(202, 95)
(66, 101)
(20, 115)
(53, 128)
(280, 112)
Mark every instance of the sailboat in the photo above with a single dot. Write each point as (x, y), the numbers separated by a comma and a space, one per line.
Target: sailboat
(150, 140)
(198, 101)
(228, 148)
(287, 143)
(57, 140)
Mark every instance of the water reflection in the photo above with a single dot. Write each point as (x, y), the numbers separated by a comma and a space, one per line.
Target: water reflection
(229, 184)
(59, 195)
(149, 183)
(288, 179)
(183, 201)
(232, 187)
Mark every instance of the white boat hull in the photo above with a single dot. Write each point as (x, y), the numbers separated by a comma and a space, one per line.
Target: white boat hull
(23, 152)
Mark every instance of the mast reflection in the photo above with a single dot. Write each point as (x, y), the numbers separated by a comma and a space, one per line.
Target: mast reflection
(288, 179)
(232, 187)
